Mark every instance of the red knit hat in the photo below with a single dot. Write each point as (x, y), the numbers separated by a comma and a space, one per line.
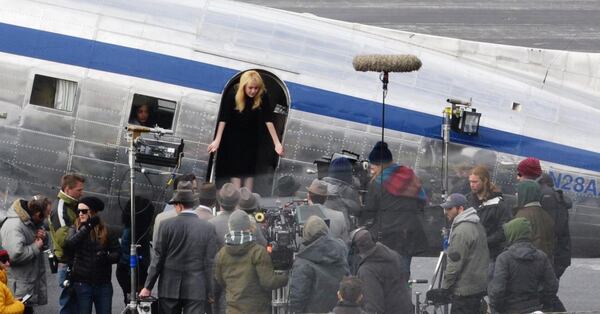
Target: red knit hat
(530, 168)
(4, 256)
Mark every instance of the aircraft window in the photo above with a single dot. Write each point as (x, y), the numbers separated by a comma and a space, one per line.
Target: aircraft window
(151, 111)
(54, 93)
(516, 106)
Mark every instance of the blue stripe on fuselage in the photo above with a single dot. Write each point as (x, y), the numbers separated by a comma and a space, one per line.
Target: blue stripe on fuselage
(183, 72)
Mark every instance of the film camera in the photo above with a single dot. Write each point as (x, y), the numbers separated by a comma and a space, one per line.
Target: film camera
(284, 226)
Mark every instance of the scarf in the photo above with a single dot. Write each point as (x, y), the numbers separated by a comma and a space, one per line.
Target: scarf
(238, 237)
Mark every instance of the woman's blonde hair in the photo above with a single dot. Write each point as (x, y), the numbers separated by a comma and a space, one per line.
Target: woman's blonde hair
(98, 234)
(240, 96)
(484, 176)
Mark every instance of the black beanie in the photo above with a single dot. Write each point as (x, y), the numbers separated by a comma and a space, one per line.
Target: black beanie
(380, 154)
(95, 204)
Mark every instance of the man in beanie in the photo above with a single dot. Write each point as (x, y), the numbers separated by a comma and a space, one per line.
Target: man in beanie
(317, 270)
(542, 226)
(383, 274)
(523, 280)
(317, 195)
(184, 254)
(342, 192)
(394, 205)
(466, 271)
(207, 198)
(244, 269)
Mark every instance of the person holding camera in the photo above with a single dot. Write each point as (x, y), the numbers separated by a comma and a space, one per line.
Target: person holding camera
(23, 238)
(342, 193)
(8, 303)
(94, 250)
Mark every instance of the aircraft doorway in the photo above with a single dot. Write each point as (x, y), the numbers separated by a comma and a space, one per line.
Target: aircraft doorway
(266, 158)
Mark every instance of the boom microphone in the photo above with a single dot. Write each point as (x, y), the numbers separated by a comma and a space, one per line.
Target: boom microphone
(386, 63)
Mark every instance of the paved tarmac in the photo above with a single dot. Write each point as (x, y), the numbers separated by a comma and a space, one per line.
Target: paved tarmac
(578, 291)
(551, 24)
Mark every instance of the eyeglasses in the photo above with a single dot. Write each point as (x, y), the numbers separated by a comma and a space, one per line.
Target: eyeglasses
(83, 211)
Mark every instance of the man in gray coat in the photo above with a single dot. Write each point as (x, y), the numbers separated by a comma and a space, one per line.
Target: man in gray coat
(468, 257)
(23, 237)
(184, 252)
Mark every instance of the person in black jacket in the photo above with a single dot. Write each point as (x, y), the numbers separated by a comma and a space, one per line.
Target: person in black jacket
(144, 212)
(384, 276)
(94, 250)
(491, 208)
(523, 279)
(394, 205)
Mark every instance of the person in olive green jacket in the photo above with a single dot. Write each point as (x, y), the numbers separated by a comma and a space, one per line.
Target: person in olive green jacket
(60, 220)
(245, 270)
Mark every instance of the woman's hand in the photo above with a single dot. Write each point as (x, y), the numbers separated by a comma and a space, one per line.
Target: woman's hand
(279, 149)
(214, 146)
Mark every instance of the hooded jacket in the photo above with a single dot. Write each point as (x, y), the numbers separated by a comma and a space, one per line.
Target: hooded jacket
(394, 205)
(557, 205)
(468, 256)
(246, 273)
(316, 275)
(27, 274)
(492, 213)
(384, 278)
(523, 278)
(542, 225)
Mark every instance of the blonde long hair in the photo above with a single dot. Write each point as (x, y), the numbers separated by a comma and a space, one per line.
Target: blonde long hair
(240, 96)
(98, 234)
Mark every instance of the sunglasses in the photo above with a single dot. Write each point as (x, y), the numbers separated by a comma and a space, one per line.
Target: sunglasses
(82, 211)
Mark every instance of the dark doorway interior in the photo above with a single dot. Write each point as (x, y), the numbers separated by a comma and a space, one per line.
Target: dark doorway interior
(267, 159)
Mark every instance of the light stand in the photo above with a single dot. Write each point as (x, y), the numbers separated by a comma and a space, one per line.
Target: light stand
(134, 133)
(447, 115)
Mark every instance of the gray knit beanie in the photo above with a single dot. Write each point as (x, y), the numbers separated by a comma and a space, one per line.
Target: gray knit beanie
(239, 221)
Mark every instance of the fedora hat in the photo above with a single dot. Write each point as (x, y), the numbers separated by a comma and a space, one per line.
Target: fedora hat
(248, 200)
(228, 195)
(184, 194)
(318, 187)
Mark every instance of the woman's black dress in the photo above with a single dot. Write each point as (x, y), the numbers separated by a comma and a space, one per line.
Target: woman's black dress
(239, 145)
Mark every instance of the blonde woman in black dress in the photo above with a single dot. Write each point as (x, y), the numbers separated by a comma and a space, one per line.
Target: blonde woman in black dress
(239, 129)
